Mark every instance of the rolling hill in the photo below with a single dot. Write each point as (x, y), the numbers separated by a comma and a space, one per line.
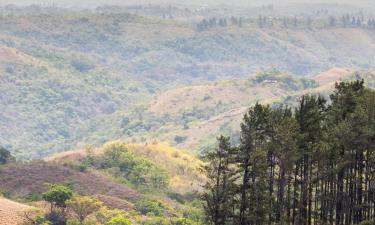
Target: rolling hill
(74, 78)
(92, 172)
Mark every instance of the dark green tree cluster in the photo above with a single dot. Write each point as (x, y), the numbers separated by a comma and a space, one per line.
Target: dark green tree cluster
(312, 164)
(352, 21)
(207, 24)
(5, 156)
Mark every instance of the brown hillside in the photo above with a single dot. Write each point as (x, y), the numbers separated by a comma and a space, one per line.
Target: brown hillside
(22, 180)
(328, 78)
(11, 213)
(236, 94)
(230, 100)
(12, 55)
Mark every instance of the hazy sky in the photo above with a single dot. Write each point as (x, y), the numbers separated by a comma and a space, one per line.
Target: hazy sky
(94, 3)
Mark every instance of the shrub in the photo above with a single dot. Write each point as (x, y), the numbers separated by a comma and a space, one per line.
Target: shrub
(119, 220)
(5, 156)
(149, 206)
(137, 170)
(83, 206)
(82, 66)
(179, 139)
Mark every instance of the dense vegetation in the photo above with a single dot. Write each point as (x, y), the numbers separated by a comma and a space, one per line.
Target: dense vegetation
(312, 164)
(5, 156)
(139, 171)
(145, 184)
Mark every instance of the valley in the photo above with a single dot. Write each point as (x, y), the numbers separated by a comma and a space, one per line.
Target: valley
(187, 114)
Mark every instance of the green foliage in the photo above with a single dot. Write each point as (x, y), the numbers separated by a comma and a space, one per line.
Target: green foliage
(171, 221)
(41, 220)
(5, 156)
(220, 186)
(158, 221)
(148, 206)
(33, 197)
(135, 169)
(119, 220)
(184, 221)
(290, 155)
(57, 195)
(83, 206)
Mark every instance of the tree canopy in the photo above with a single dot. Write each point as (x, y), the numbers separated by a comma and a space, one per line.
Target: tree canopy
(311, 164)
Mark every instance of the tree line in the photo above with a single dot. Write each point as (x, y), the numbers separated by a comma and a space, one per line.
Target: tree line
(345, 21)
(213, 22)
(309, 164)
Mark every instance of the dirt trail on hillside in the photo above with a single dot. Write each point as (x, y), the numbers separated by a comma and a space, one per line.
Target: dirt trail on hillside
(11, 213)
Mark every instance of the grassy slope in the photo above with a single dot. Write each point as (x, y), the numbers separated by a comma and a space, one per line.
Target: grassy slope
(26, 181)
(48, 105)
(12, 212)
(205, 111)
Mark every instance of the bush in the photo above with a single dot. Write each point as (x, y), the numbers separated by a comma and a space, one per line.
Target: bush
(158, 221)
(82, 66)
(148, 206)
(137, 170)
(33, 197)
(83, 206)
(5, 156)
(179, 139)
(119, 220)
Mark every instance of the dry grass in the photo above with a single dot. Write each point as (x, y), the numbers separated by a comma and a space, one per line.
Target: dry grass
(8, 54)
(182, 165)
(331, 76)
(236, 94)
(11, 213)
(24, 179)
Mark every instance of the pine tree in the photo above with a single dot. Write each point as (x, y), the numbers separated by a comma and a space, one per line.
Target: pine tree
(253, 135)
(313, 164)
(220, 186)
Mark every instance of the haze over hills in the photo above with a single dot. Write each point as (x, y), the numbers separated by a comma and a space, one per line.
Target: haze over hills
(76, 78)
(87, 3)
(143, 112)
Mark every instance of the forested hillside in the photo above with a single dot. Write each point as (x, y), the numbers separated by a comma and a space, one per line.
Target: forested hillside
(309, 164)
(74, 78)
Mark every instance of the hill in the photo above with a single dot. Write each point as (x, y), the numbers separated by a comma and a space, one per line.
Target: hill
(12, 212)
(139, 176)
(75, 78)
(196, 114)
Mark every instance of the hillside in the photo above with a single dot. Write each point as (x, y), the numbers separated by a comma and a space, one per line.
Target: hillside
(198, 114)
(75, 78)
(158, 174)
(12, 212)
